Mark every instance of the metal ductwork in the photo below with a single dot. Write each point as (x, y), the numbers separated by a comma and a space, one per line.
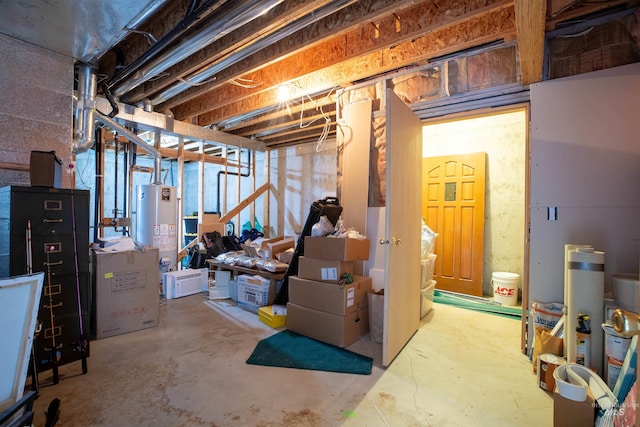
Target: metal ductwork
(83, 117)
(157, 157)
(228, 18)
(249, 50)
(193, 18)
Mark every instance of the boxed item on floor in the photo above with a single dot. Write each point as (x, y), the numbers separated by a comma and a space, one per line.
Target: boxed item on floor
(323, 269)
(182, 283)
(335, 248)
(254, 292)
(333, 329)
(126, 286)
(330, 297)
(571, 413)
(267, 315)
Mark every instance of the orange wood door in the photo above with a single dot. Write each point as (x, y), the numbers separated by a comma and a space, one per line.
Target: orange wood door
(453, 206)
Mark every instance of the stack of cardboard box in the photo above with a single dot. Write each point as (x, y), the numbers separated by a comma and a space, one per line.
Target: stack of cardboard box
(322, 305)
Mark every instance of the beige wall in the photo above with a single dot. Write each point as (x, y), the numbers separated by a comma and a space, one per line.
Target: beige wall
(503, 138)
(36, 108)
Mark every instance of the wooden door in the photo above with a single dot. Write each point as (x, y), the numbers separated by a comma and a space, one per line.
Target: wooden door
(402, 226)
(453, 206)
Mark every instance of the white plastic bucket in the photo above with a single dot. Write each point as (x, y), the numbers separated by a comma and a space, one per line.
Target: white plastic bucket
(505, 287)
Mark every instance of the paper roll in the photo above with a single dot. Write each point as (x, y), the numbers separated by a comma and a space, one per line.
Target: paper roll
(585, 279)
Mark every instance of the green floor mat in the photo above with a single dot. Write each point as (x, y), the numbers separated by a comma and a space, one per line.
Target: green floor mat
(469, 304)
(288, 349)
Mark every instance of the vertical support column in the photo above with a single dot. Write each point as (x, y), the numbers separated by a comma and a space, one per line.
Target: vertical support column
(201, 164)
(180, 193)
(253, 183)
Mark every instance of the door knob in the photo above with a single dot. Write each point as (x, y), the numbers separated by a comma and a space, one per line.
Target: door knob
(625, 322)
(393, 241)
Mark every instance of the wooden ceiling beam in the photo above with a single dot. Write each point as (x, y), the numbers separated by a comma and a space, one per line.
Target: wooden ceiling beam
(309, 121)
(327, 104)
(530, 23)
(253, 31)
(331, 26)
(480, 29)
(275, 64)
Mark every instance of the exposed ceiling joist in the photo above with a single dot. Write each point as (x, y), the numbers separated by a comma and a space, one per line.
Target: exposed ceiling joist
(213, 67)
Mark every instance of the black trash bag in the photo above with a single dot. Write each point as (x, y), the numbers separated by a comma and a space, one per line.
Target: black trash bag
(196, 258)
(213, 242)
(231, 243)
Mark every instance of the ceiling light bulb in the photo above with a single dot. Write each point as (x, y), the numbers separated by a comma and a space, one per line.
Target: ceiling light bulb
(284, 93)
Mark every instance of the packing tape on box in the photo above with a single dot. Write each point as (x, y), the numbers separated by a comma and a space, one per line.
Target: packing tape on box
(573, 380)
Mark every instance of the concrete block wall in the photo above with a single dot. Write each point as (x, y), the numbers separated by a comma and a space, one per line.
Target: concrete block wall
(36, 108)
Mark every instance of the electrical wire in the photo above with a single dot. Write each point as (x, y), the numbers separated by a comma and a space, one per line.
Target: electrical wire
(250, 84)
(327, 124)
(194, 84)
(580, 34)
(150, 38)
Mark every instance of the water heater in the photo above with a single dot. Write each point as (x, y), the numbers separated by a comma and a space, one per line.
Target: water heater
(156, 219)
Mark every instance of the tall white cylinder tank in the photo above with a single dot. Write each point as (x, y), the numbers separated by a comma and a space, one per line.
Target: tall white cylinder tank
(156, 220)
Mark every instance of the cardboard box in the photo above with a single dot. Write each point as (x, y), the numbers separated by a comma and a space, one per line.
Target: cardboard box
(286, 256)
(333, 329)
(266, 315)
(569, 413)
(330, 297)
(323, 269)
(272, 247)
(255, 292)
(336, 248)
(210, 227)
(126, 286)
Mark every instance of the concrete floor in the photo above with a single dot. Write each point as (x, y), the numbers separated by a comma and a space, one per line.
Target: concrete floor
(462, 368)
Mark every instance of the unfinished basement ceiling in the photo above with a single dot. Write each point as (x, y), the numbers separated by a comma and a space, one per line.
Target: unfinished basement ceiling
(221, 64)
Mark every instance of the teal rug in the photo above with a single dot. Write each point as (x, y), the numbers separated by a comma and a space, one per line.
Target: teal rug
(287, 349)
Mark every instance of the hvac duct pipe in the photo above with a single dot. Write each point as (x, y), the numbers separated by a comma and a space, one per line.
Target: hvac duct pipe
(256, 46)
(157, 157)
(232, 15)
(187, 23)
(84, 124)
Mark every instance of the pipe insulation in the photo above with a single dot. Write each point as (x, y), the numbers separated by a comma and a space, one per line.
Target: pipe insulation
(251, 48)
(585, 283)
(229, 17)
(157, 157)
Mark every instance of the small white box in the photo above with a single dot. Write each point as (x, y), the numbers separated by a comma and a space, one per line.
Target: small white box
(254, 292)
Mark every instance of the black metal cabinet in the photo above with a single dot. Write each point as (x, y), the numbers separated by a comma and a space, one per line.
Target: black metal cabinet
(53, 225)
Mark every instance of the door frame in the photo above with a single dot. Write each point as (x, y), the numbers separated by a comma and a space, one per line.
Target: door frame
(526, 215)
